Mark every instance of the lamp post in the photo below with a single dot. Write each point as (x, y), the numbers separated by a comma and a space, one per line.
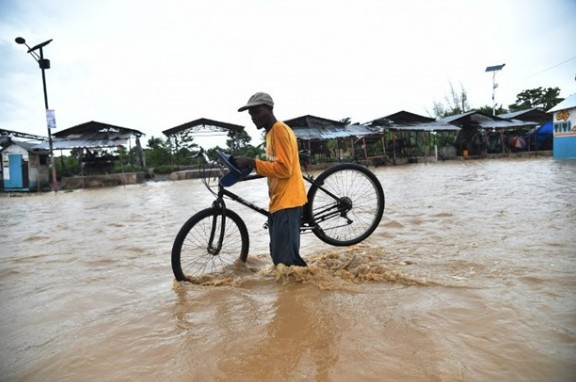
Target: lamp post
(494, 69)
(44, 64)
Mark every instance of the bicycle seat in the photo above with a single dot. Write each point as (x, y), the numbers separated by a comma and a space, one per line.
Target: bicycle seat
(235, 174)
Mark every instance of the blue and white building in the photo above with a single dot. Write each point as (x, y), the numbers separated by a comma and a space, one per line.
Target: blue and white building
(23, 168)
(565, 128)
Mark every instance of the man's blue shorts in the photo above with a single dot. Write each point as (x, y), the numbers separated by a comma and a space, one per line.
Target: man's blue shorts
(284, 229)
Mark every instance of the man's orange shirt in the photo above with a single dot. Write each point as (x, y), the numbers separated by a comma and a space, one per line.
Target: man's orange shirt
(282, 168)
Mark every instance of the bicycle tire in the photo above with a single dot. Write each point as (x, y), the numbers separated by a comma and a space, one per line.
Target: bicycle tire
(357, 212)
(192, 256)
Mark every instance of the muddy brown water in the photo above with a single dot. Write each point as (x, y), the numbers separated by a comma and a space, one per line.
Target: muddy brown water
(471, 276)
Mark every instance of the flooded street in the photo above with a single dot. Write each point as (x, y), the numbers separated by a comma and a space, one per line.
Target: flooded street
(471, 276)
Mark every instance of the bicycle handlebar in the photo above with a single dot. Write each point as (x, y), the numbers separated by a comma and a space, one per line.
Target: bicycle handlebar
(201, 153)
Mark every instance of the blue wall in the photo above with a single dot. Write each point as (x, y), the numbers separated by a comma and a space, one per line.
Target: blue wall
(565, 147)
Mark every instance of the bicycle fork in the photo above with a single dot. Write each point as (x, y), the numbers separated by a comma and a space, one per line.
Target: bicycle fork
(217, 231)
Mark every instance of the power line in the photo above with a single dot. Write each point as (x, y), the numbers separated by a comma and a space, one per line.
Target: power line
(550, 68)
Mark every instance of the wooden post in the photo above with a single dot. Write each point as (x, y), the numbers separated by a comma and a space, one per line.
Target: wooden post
(383, 145)
(394, 145)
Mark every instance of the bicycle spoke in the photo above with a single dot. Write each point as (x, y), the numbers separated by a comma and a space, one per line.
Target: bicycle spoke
(347, 206)
(193, 255)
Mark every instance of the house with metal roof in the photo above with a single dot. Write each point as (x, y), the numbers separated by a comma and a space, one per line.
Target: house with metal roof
(97, 144)
(91, 135)
(565, 128)
(482, 133)
(324, 137)
(22, 167)
(410, 135)
(539, 134)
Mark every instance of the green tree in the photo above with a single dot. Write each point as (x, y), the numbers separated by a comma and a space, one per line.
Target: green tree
(68, 165)
(182, 146)
(544, 98)
(455, 103)
(338, 148)
(333, 145)
(254, 151)
(237, 142)
(488, 110)
(155, 143)
(158, 152)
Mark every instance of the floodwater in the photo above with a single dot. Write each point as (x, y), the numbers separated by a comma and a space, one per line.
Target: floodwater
(471, 276)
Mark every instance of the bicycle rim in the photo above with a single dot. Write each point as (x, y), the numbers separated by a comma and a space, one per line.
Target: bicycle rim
(347, 206)
(203, 246)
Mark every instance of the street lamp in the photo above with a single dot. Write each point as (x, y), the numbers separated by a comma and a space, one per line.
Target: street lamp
(494, 69)
(44, 64)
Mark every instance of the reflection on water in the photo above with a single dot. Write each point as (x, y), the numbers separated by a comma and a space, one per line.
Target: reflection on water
(470, 276)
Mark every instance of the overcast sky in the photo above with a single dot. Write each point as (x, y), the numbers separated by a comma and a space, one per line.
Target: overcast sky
(152, 65)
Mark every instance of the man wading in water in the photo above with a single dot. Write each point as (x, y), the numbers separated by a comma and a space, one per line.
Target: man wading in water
(285, 184)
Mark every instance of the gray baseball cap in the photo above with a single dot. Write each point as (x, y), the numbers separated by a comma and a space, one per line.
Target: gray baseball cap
(257, 100)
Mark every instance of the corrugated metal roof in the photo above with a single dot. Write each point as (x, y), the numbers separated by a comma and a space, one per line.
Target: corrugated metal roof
(404, 118)
(456, 117)
(568, 103)
(515, 114)
(28, 146)
(87, 135)
(485, 121)
(406, 121)
(18, 134)
(432, 126)
(521, 123)
(333, 132)
(313, 121)
(90, 135)
(69, 144)
(534, 114)
(90, 130)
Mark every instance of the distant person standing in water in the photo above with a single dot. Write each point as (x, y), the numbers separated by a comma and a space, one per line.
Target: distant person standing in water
(285, 184)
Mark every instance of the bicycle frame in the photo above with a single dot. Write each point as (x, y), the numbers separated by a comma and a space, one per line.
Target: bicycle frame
(341, 205)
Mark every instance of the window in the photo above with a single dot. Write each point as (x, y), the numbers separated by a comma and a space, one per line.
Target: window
(563, 127)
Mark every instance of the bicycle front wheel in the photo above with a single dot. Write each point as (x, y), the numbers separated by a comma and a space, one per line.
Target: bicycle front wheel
(345, 204)
(211, 241)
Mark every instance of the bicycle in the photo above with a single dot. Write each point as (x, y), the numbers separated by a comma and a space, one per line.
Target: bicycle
(345, 206)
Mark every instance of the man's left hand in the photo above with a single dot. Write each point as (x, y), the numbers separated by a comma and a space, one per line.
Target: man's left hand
(244, 162)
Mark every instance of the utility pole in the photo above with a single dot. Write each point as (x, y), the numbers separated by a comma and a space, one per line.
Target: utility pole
(494, 69)
(44, 64)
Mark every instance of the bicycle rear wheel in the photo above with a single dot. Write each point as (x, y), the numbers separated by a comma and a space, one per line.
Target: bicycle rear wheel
(345, 204)
(209, 242)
